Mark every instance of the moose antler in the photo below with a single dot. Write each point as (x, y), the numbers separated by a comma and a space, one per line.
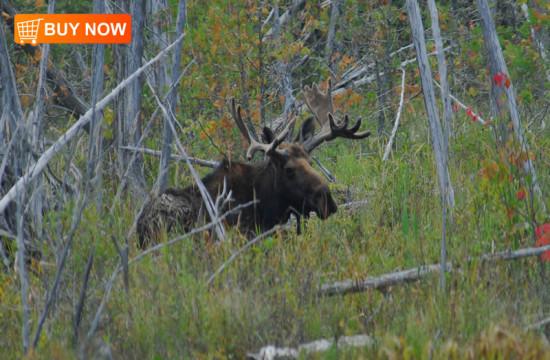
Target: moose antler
(321, 105)
(254, 145)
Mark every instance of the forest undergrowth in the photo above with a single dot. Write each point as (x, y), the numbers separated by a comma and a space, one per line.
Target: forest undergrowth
(270, 293)
(198, 298)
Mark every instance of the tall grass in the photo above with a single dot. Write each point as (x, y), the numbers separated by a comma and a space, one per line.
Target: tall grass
(269, 294)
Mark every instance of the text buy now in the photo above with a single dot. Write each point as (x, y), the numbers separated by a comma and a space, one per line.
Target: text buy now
(72, 28)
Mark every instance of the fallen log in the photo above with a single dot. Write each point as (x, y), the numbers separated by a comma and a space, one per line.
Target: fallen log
(271, 352)
(415, 274)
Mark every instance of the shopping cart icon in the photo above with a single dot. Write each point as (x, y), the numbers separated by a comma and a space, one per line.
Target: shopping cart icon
(28, 30)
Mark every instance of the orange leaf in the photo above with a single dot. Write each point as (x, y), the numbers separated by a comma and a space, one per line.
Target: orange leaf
(219, 104)
(507, 82)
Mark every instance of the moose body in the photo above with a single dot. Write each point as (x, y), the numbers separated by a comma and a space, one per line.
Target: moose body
(280, 185)
(283, 183)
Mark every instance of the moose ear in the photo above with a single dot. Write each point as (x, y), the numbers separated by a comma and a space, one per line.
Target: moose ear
(307, 130)
(267, 135)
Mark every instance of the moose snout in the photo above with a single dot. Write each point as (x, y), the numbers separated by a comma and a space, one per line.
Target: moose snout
(325, 203)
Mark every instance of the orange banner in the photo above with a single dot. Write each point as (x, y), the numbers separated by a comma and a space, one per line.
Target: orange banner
(72, 29)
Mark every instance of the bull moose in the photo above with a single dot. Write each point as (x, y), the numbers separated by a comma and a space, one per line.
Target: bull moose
(283, 183)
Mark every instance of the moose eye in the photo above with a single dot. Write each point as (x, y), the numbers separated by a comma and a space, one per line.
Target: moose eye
(289, 173)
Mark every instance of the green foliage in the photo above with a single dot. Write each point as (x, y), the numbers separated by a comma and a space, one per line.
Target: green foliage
(269, 294)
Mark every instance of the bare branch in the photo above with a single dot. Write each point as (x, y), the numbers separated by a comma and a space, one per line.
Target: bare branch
(397, 117)
(82, 297)
(282, 19)
(479, 119)
(123, 254)
(36, 170)
(212, 211)
(330, 177)
(537, 325)
(22, 277)
(193, 160)
(60, 267)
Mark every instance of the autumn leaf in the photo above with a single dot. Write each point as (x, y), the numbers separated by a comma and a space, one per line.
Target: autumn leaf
(497, 79)
(543, 238)
(507, 82)
(219, 103)
(543, 230)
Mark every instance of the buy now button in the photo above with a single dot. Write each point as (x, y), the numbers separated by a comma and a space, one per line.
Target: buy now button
(73, 29)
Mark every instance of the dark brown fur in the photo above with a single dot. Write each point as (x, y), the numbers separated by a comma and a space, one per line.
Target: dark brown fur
(281, 184)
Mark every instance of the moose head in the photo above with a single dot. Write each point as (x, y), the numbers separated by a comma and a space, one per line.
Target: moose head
(303, 189)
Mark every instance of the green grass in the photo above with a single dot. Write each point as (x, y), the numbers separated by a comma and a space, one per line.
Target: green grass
(269, 294)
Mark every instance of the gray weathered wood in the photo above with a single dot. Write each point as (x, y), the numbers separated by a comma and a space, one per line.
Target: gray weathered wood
(272, 352)
(60, 143)
(415, 274)
(193, 160)
(497, 65)
(172, 99)
(331, 47)
(419, 41)
(397, 117)
(448, 116)
(96, 129)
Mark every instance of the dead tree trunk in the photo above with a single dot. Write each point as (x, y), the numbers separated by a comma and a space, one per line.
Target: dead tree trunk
(15, 150)
(96, 133)
(438, 146)
(128, 111)
(497, 65)
(539, 37)
(331, 47)
(447, 110)
(172, 99)
(158, 18)
(284, 70)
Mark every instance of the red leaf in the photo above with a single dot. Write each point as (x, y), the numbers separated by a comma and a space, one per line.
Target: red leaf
(497, 79)
(455, 108)
(543, 230)
(469, 112)
(542, 241)
(546, 256)
(474, 118)
(521, 194)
